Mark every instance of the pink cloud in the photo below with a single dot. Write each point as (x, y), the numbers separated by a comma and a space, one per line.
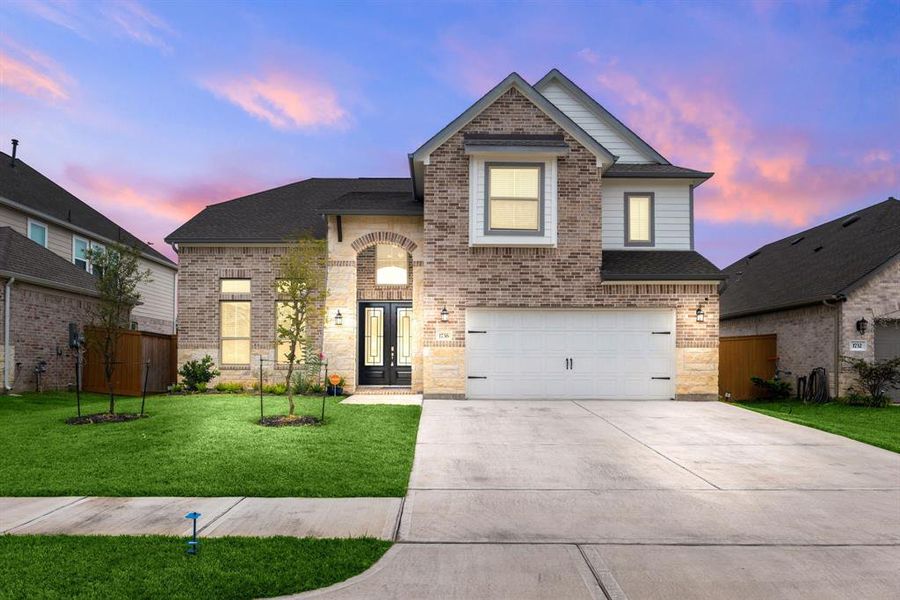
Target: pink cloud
(762, 174)
(31, 73)
(285, 101)
(137, 23)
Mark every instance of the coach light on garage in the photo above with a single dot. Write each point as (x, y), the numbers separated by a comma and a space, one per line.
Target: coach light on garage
(445, 316)
(701, 316)
(862, 325)
(338, 319)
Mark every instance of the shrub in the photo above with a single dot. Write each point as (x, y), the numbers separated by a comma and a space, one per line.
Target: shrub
(230, 387)
(874, 378)
(777, 389)
(308, 376)
(201, 386)
(853, 399)
(276, 389)
(195, 372)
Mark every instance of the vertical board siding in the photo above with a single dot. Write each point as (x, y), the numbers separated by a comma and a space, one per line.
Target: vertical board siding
(133, 351)
(672, 213)
(743, 357)
(593, 125)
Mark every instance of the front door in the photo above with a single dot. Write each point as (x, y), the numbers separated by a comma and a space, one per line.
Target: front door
(385, 343)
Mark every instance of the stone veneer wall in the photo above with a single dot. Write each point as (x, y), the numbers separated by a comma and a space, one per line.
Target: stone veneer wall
(568, 276)
(201, 268)
(39, 329)
(346, 261)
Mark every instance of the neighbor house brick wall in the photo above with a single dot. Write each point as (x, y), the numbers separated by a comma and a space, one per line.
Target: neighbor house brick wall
(201, 268)
(805, 338)
(39, 329)
(877, 298)
(566, 276)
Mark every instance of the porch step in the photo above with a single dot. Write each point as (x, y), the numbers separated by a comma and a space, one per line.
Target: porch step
(402, 399)
(372, 390)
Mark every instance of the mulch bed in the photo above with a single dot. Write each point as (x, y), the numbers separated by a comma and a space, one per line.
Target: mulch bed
(288, 421)
(104, 418)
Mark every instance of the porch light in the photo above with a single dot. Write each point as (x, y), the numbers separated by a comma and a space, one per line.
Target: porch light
(862, 325)
(701, 316)
(445, 316)
(338, 319)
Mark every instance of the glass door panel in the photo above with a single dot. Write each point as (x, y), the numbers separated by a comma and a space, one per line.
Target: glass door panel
(404, 337)
(374, 336)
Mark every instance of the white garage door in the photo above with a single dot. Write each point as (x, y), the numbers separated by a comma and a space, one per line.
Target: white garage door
(570, 354)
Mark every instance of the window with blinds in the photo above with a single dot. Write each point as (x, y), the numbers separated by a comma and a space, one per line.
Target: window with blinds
(235, 332)
(639, 219)
(514, 198)
(283, 315)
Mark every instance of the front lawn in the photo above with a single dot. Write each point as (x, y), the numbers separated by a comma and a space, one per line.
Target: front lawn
(877, 426)
(120, 567)
(203, 445)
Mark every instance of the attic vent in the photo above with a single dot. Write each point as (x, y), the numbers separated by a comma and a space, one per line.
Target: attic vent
(798, 240)
(817, 248)
(850, 220)
(752, 255)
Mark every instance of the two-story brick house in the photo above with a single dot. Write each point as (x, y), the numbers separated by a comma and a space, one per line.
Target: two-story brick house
(540, 249)
(46, 277)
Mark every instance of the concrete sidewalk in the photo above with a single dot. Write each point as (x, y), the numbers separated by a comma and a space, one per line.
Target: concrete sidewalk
(299, 517)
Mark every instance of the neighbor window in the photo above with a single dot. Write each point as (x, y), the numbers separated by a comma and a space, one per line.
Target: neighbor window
(391, 265)
(234, 286)
(514, 198)
(37, 232)
(639, 219)
(96, 248)
(80, 253)
(235, 331)
(283, 345)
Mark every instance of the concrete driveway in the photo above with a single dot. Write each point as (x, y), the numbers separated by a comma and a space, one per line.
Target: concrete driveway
(638, 500)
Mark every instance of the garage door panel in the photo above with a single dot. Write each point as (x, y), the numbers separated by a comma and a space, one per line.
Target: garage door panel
(613, 353)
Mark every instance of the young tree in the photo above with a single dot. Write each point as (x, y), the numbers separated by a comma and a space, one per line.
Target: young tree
(301, 296)
(118, 276)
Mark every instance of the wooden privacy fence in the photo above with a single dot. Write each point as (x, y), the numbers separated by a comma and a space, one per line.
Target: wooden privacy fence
(743, 357)
(134, 350)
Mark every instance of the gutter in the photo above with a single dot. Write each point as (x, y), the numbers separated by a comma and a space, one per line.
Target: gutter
(6, 358)
(832, 302)
(780, 307)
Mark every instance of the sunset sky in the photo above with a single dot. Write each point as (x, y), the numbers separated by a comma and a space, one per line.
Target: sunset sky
(150, 111)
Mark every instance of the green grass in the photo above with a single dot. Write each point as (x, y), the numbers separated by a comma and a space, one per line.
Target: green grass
(114, 567)
(877, 426)
(203, 445)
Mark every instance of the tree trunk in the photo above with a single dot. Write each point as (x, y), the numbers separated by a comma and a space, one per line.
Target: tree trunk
(289, 388)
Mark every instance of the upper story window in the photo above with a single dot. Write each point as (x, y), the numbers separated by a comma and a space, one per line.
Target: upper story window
(234, 286)
(37, 232)
(80, 253)
(639, 229)
(514, 198)
(391, 265)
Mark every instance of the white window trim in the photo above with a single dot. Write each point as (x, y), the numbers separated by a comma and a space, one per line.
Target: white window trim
(31, 222)
(87, 242)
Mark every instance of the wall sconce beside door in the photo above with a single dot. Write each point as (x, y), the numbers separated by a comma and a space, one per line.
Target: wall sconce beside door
(862, 325)
(701, 316)
(338, 318)
(445, 316)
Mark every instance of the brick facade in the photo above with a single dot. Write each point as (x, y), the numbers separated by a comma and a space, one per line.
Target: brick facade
(39, 330)
(201, 268)
(566, 276)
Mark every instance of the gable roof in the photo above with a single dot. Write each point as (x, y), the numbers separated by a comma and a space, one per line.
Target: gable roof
(636, 170)
(601, 113)
(513, 80)
(374, 203)
(822, 263)
(24, 188)
(656, 265)
(280, 214)
(26, 260)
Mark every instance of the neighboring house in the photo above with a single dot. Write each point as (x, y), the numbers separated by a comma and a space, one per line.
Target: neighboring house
(46, 276)
(540, 249)
(828, 292)
(38, 208)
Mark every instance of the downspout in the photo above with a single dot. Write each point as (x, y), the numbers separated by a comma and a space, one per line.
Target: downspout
(6, 358)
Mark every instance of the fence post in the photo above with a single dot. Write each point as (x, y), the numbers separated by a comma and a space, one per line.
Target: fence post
(78, 379)
(144, 394)
(324, 392)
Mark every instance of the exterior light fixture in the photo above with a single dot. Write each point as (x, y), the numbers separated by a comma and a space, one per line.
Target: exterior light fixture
(862, 325)
(338, 319)
(445, 316)
(701, 316)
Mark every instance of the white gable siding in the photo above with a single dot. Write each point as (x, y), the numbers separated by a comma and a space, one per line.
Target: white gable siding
(594, 126)
(157, 295)
(672, 213)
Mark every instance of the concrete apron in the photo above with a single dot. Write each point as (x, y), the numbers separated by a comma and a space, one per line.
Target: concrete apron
(637, 500)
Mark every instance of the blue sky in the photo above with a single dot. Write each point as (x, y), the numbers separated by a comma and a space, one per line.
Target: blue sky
(151, 110)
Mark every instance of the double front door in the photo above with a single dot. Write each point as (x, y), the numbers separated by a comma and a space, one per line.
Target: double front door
(385, 343)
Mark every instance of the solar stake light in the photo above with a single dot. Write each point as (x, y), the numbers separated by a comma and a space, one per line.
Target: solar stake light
(193, 543)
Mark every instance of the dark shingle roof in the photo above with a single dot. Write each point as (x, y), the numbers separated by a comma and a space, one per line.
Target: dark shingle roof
(635, 265)
(374, 203)
(813, 265)
(279, 214)
(26, 186)
(514, 139)
(620, 170)
(20, 257)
